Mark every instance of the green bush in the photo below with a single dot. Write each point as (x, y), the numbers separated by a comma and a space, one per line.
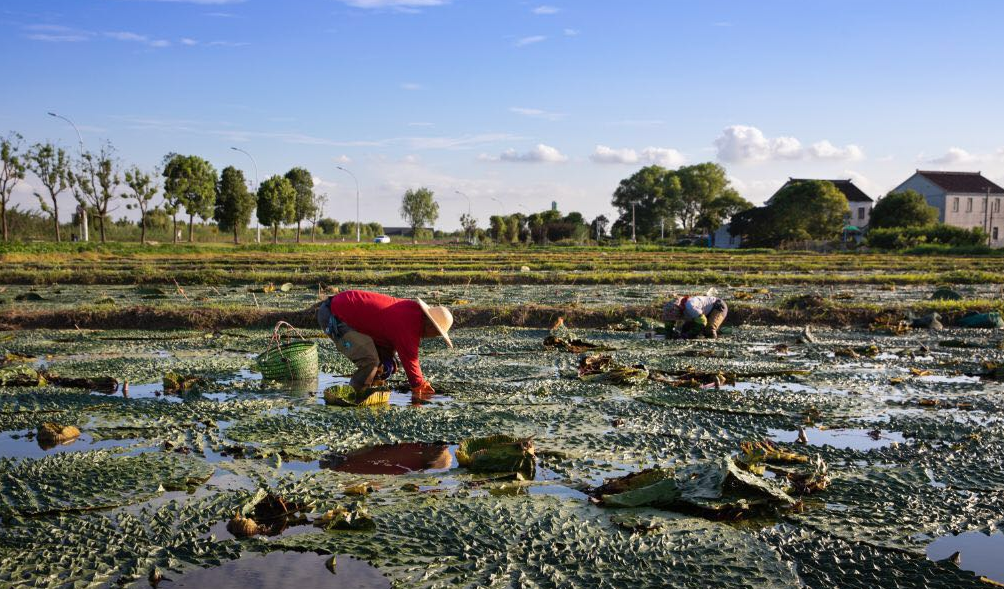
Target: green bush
(898, 238)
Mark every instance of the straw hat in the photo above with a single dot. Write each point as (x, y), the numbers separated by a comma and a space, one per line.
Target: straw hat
(441, 317)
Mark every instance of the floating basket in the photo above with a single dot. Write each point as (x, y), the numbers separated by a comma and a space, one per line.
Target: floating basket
(288, 360)
(346, 396)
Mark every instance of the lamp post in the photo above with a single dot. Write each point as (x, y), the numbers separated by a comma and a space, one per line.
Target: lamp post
(358, 229)
(257, 223)
(81, 210)
(468, 211)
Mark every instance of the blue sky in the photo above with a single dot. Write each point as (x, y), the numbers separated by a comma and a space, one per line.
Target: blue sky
(515, 103)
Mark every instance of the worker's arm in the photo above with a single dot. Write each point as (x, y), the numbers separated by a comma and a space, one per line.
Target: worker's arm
(407, 352)
(694, 327)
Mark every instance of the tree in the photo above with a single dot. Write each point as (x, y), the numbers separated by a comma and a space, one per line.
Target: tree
(276, 204)
(721, 209)
(374, 228)
(470, 226)
(418, 209)
(144, 188)
(12, 170)
(303, 207)
(234, 203)
(190, 183)
(52, 166)
(95, 184)
(810, 209)
(657, 194)
(328, 226)
(598, 228)
(903, 209)
(320, 201)
(701, 186)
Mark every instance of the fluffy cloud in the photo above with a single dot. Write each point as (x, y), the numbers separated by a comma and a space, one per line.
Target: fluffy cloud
(411, 86)
(957, 155)
(545, 9)
(539, 154)
(137, 38)
(743, 144)
(661, 156)
(398, 4)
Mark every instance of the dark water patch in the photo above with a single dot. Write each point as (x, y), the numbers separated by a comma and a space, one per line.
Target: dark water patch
(842, 438)
(23, 444)
(977, 552)
(283, 569)
(401, 458)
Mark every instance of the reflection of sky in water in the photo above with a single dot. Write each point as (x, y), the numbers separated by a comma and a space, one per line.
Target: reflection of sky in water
(854, 439)
(282, 569)
(23, 447)
(981, 554)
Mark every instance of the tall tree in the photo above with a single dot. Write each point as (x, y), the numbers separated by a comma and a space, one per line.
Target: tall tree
(810, 209)
(52, 166)
(656, 192)
(320, 201)
(276, 204)
(234, 203)
(143, 188)
(700, 186)
(190, 183)
(12, 170)
(304, 206)
(903, 209)
(469, 225)
(96, 182)
(419, 208)
(720, 210)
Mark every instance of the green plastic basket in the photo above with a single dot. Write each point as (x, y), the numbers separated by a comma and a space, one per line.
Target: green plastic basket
(289, 361)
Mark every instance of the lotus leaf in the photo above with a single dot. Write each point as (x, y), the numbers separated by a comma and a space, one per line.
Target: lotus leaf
(177, 383)
(346, 396)
(498, 454)
(354, 517)
(52, 434)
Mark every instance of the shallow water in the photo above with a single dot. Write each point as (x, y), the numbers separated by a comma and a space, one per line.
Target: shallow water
(24, 447)
(282, 569)
(842, 438)
(980, 553)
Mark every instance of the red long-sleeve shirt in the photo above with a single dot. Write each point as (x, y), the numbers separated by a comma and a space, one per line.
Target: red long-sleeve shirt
(391, 322)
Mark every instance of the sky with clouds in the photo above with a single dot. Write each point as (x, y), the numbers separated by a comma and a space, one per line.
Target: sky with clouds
(507, 105)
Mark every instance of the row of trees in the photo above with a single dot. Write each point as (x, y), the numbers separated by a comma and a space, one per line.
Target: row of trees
(191, 186)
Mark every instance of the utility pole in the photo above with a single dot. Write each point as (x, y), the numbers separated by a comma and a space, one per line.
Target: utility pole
(662, 228)
(634, 235)
(986, 215)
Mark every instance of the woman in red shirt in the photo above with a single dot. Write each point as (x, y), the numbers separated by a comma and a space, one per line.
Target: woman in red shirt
(369, 327)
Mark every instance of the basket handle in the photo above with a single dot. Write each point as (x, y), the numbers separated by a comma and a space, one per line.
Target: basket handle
(277, 335)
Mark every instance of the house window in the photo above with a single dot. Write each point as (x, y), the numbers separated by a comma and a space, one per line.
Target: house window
(995, 234)
(997, 205)
(955, 204)
(861, 213)
(969, 205)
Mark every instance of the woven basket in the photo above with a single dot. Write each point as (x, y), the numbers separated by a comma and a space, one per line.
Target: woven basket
(289, 360)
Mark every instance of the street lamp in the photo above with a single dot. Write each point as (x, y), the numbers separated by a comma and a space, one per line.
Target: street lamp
(468, 201)
(81, 210)
(358, 229)
(257, 223)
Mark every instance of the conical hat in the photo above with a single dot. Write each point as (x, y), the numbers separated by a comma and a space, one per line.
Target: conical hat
(441, 317)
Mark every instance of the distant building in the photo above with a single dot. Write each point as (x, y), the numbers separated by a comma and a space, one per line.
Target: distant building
(860, 203)
(963, 199)
(723, 239)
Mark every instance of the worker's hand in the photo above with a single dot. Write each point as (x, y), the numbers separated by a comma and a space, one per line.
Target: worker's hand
(424, 389)
(694, 327)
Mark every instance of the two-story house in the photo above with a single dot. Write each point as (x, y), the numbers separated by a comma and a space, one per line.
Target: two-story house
(963, 199)
(860, 204)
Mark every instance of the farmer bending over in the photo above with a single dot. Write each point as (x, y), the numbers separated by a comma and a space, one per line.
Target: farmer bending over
(691, 317)
(369, 327)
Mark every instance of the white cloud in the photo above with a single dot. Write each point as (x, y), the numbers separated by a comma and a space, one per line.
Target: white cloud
(570, 32)
(202, 2)
(411, 86)
(545, 9)
(228, 44)
(189, 42)
(745, 144)
(524, 41)
(539, 154)
(56, 34)
(863, 182)
(661, 156)
(342, 159)
(136, 38)
(957, 155)
(421, 124)
(536, 113)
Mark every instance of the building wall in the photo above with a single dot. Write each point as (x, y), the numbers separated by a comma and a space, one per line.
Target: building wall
(931, 192)
(722, 239)
(961, 210)
(860, 215)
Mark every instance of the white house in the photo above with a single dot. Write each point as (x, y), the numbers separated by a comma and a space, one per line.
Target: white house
(723, 239)
(860, 203)
(963, 199)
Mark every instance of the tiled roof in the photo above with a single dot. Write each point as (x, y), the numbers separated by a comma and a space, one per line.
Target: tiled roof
(962, 182)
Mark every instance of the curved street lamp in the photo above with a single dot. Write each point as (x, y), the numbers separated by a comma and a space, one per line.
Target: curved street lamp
(81, 210)
(257, 223)
(358, 229)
